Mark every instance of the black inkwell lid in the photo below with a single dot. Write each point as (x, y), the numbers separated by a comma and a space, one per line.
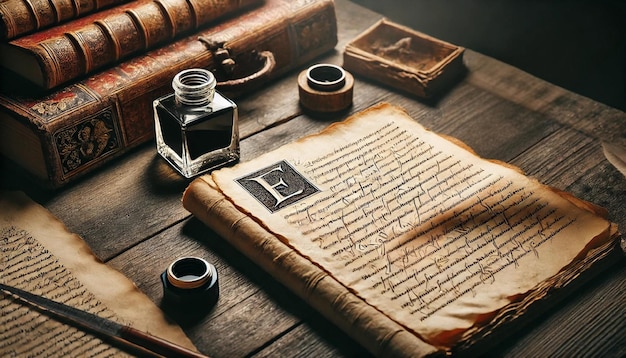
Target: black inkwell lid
(190, 284)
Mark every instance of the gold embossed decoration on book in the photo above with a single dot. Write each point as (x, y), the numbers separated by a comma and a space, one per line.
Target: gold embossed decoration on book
(405, 239)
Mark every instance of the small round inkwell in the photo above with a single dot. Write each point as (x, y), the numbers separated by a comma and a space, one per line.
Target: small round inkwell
(190, 283)
(325, 88)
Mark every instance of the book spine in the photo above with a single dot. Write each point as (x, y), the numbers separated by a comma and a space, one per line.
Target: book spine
(19, 17)
(84, 125)
(68, 52)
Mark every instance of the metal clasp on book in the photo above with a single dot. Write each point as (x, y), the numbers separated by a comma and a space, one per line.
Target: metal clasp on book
(238, 73)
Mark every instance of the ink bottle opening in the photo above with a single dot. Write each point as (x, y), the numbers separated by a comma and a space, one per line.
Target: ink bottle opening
(190, 283)
(196, 127)
(326, 77)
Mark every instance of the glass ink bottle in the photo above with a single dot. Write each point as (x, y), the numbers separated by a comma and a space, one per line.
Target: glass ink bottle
(196, 127)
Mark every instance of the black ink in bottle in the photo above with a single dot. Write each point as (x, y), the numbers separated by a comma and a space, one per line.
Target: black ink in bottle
(196, 126)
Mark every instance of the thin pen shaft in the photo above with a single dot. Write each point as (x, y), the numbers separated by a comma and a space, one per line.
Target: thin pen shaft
(127, 336)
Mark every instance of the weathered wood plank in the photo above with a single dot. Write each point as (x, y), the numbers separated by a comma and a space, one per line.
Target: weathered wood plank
(589, 323)
(244, 329)
(302, 341)
(467, 113)
(471, 114)
(562, 106)
(129, 201)
(559, 159)
(605, 186)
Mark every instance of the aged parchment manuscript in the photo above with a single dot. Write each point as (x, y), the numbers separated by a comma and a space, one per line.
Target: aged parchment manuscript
(39, 255)
(432, 239)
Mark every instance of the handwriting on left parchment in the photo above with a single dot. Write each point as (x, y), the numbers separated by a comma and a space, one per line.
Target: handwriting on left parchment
(26, 264)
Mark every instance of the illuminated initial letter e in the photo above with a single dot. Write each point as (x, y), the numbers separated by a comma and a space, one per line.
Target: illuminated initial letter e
(272, 188)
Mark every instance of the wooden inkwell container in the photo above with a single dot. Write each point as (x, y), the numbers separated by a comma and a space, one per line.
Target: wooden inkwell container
(404, 59)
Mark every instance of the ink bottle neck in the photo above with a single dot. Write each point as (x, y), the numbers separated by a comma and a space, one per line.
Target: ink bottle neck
(194, 87)
(189, 272)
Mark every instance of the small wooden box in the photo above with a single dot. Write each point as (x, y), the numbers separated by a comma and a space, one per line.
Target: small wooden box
(405, 59)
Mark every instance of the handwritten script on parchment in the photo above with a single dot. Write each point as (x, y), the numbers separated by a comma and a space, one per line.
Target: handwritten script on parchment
(39, 255)
(29, 264)
(416, 225)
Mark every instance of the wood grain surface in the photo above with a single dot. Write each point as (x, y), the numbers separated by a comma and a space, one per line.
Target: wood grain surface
(130, 212)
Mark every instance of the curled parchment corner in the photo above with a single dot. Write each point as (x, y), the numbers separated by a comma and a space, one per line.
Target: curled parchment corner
(616, 155)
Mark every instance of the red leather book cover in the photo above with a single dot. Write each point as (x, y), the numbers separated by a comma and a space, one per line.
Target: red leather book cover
(18, 17)
(55, 56)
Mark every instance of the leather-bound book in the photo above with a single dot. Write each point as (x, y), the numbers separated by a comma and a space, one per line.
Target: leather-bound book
(55, 56)
(77, 128)
(18, 17)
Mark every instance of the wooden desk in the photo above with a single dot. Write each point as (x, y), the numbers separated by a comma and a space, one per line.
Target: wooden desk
(130, 212)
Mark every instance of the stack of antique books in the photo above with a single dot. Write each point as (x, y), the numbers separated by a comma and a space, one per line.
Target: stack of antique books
(79, 77)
